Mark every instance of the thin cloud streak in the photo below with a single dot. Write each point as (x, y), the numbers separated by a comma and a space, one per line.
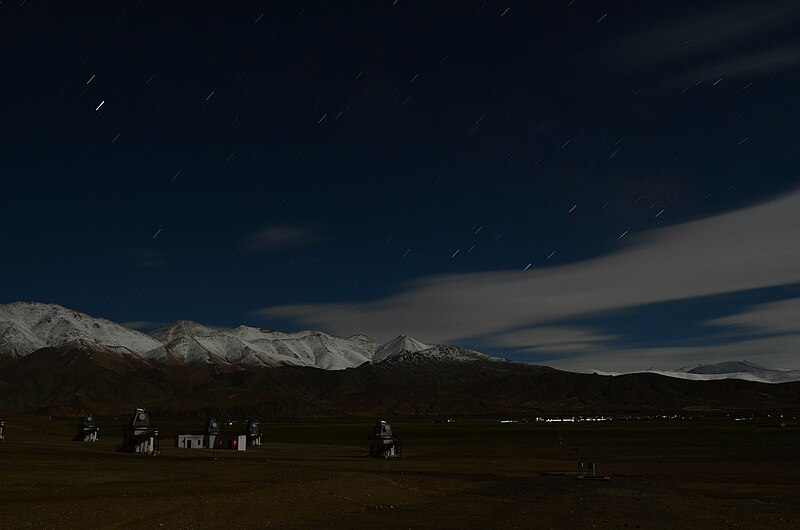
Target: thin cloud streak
(708, 33)
(745, 65)
(779, 352)
(741, 41)
(751, 248)
(773, 317)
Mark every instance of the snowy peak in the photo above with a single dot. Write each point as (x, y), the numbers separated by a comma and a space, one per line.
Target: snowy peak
(27, 326)
(329, 352)
(180, 328)
(744, 370)
(440, 354)
(728, 367)
(397, 346)
(191, 343)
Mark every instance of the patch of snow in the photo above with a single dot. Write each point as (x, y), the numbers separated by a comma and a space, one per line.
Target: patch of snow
(398, 345)
(247, 346)
(727, 370)
(26, 327)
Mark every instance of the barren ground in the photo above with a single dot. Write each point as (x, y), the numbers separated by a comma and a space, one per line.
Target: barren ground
(471, 474)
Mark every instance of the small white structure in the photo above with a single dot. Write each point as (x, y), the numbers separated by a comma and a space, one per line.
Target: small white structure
(2, 428)
(212, 439)
(382, 443)
(88, 430)
(139, 436)
(191, 441)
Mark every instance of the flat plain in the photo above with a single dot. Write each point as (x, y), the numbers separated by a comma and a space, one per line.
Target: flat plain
(474, 473)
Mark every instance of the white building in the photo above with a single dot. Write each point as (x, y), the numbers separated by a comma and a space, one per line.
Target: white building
(192, 441)
(212, 439)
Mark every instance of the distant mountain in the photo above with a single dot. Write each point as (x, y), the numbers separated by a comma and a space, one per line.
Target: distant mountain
(82, 376)
(190, 343)
(398, 345)
(440, 354)
(743, 370)
(439, 381)
(27, 326)
(56, 360)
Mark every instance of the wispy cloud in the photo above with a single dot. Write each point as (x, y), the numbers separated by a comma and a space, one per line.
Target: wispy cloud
(738, 66)
(279, 238)
(733, 41)
(752, 248)
(782, 317)
(778, 352)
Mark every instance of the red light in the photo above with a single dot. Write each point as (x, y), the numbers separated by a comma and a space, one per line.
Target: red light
(234, 443)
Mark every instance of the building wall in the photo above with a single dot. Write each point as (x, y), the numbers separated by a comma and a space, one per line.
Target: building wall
(229, 442)
(191, 441)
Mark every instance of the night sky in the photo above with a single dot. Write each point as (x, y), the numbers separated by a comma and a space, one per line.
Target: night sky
(604, 185)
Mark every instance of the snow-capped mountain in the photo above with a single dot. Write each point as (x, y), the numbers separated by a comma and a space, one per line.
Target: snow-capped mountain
(56, 359)
(26, 327)
(190, 343)
(398, 345)
(450, 354)
(744, 370)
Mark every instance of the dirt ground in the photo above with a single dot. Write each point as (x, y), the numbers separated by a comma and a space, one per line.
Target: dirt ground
(470, 474)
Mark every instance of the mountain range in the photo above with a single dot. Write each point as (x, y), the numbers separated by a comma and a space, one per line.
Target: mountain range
(26, 327)
(56, 360)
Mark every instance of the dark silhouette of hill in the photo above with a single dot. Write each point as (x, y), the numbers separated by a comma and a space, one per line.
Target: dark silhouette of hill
(79, 377)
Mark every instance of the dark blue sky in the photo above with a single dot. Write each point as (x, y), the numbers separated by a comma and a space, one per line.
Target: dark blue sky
(201, 161)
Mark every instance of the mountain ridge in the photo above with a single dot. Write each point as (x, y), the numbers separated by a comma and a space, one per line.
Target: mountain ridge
(73, 378)
(743, 370)
(27, 327)
(91, 364)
